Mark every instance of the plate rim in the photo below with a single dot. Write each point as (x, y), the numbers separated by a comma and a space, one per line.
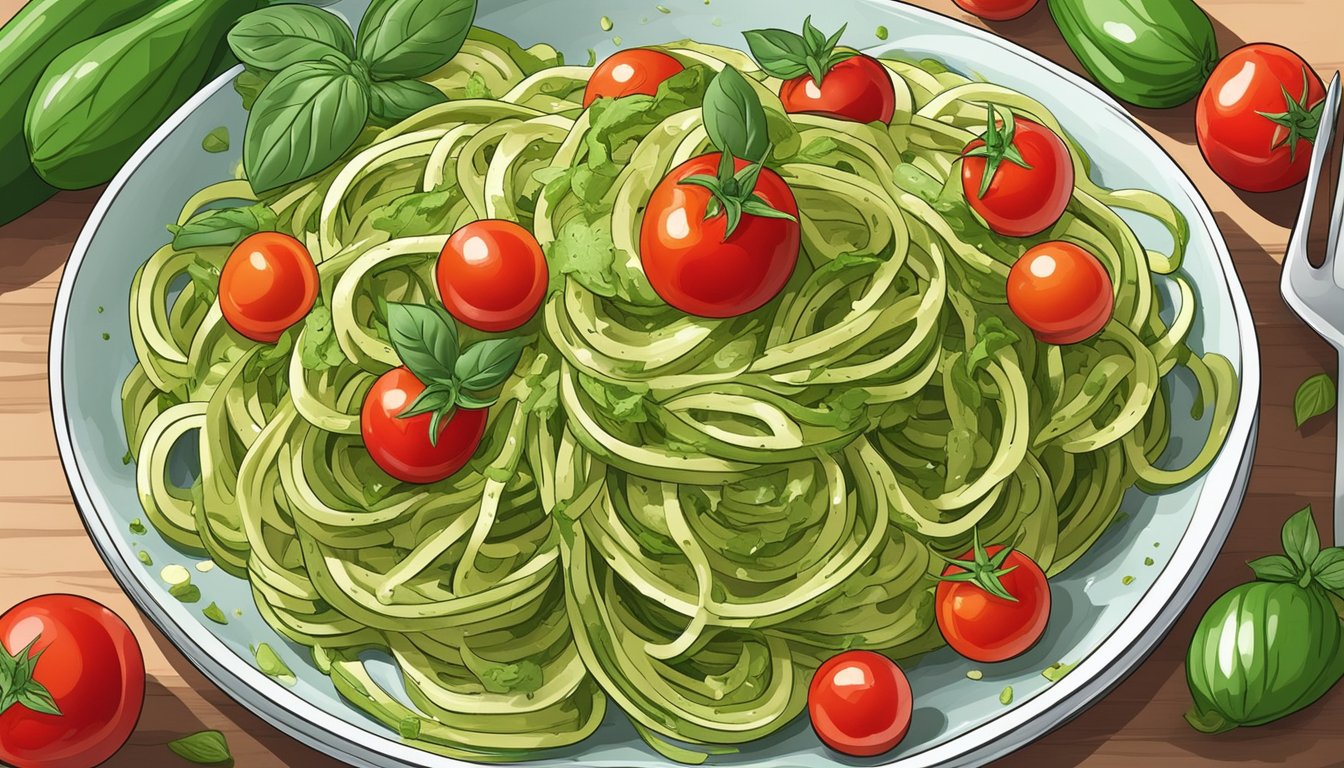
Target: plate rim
(1114, 659)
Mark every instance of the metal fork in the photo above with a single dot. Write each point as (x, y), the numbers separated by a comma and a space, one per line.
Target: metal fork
(1316, 294)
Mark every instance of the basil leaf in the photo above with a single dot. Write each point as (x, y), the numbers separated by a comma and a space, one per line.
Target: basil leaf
(302, 122)
(204, 748)
(780, 53)
(1274, 568)
(467, 400)
(223, 226)
(216, 141)
(274, 38)
(1314, 398)
(249, 85)
(1301, 540)
(734, 117)
(425, 338)
(213, 613)
(397, 100)
(487, 364)
(410, 38)
(436, 397)
(272, 665)
(1328, 570)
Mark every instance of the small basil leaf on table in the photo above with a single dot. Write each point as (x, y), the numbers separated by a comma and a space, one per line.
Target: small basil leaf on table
(734, 117)
(1315, 397)
(1273, 568)
(302, 122)
(274, 38)
(1301, 541)
(204, 748)
(397, 100)
(410, 38)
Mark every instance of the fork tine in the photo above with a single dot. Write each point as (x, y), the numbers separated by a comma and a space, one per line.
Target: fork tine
(1295, 260)
(1334, 245)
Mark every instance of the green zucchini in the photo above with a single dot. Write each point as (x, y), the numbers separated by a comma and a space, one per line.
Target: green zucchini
(28, 43)
(100, 99)
(1152, 53)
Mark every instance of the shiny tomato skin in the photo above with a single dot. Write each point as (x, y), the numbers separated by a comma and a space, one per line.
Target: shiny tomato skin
(91, 665)
(1236, 140)
(986, 628)
(860, 703)
(625, 73)
(1021, 202)
(997, 10)
(401, 447)
(1061, 292)
(492, 275)
(858, 89)
(690, 264)
(268, 284)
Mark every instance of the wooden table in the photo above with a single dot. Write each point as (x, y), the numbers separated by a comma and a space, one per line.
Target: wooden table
(43, 546)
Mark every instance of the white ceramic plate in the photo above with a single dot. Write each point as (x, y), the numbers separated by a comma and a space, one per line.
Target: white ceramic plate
(1098, 622)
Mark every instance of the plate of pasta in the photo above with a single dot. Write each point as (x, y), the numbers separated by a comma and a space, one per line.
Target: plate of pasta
(559, 384)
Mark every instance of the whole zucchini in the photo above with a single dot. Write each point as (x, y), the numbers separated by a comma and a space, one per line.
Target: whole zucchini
(99, 100)
(28, 43)
(1152, 53)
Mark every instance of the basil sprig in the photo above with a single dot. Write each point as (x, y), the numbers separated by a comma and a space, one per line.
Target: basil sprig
(999, 146)
(323, 83)
(788, 55)
(18, 686)
(426, 340)
(735, 122)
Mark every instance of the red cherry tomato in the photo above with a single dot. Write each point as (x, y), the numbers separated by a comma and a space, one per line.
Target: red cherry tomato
(985, 627)
(1061, 292)
(89, 667)
(1251, 135)
(690, 263)
(401, 447)
(638, 70)
(1021, 200)
(268, 284)
(997, 10)
(858, 88)
(860, 703)
(492, 275)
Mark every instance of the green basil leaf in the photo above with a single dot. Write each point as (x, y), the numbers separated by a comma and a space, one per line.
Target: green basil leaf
(734, 117)
(1314, 398)
(37, 698)
(1328, 570)
(486, 364)
(468, 400)
(477, 88)
(1274, 568)
(213, 613)
(302, 122)
(419, 213)
(204, 748)
(436, 397)
(425, 338)
(397, 100)
(223, 226)
(1301, 540)
(780, 53)
(216, 141)
(410, 38)
(274, 38)
(991, 337)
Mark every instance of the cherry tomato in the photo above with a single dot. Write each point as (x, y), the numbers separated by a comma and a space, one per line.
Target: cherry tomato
(989, 627)
(1020, 201)
(638, 70)
(1254, 119)
(858, 88)
(690, 263)
(860, 703)
(997, 10)
(268, 284)
(401, 447)
(88, 665)
(492, 275)
(1061, 292)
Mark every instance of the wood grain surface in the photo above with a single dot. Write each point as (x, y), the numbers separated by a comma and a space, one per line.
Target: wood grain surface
(43, 546)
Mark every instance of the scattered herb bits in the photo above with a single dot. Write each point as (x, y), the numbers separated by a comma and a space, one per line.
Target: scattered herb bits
(1148, 561)
(179, 583)
(1127, 580)
(144, 557)
(663, 9)
(107, 336)
(216, 141)
(1006, 695)
(272, 665)
(213, 613)
(1056, 671)
(975, 674)
(137, 527)
(617, 41)
(1315, 397)
(605, 23)
(882, 33)
(204, 748)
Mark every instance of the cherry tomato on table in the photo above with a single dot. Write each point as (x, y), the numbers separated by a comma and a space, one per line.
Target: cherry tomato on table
(1257, 116)
(696, 264)
(83, 696)
(994, 605)
(1018, 176)
(997, 10)
(492, 275)
(1061, 292)
(402, 447)
(860, 703)
(820, 80)
(625, 73)
(268, 284)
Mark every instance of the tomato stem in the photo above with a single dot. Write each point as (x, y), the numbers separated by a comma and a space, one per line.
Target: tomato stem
(998, 147)
(732, 193)
(982, 570)
(18, 685)
(1301, 121)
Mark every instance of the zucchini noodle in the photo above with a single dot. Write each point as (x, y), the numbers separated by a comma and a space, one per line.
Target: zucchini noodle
(680, 515)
